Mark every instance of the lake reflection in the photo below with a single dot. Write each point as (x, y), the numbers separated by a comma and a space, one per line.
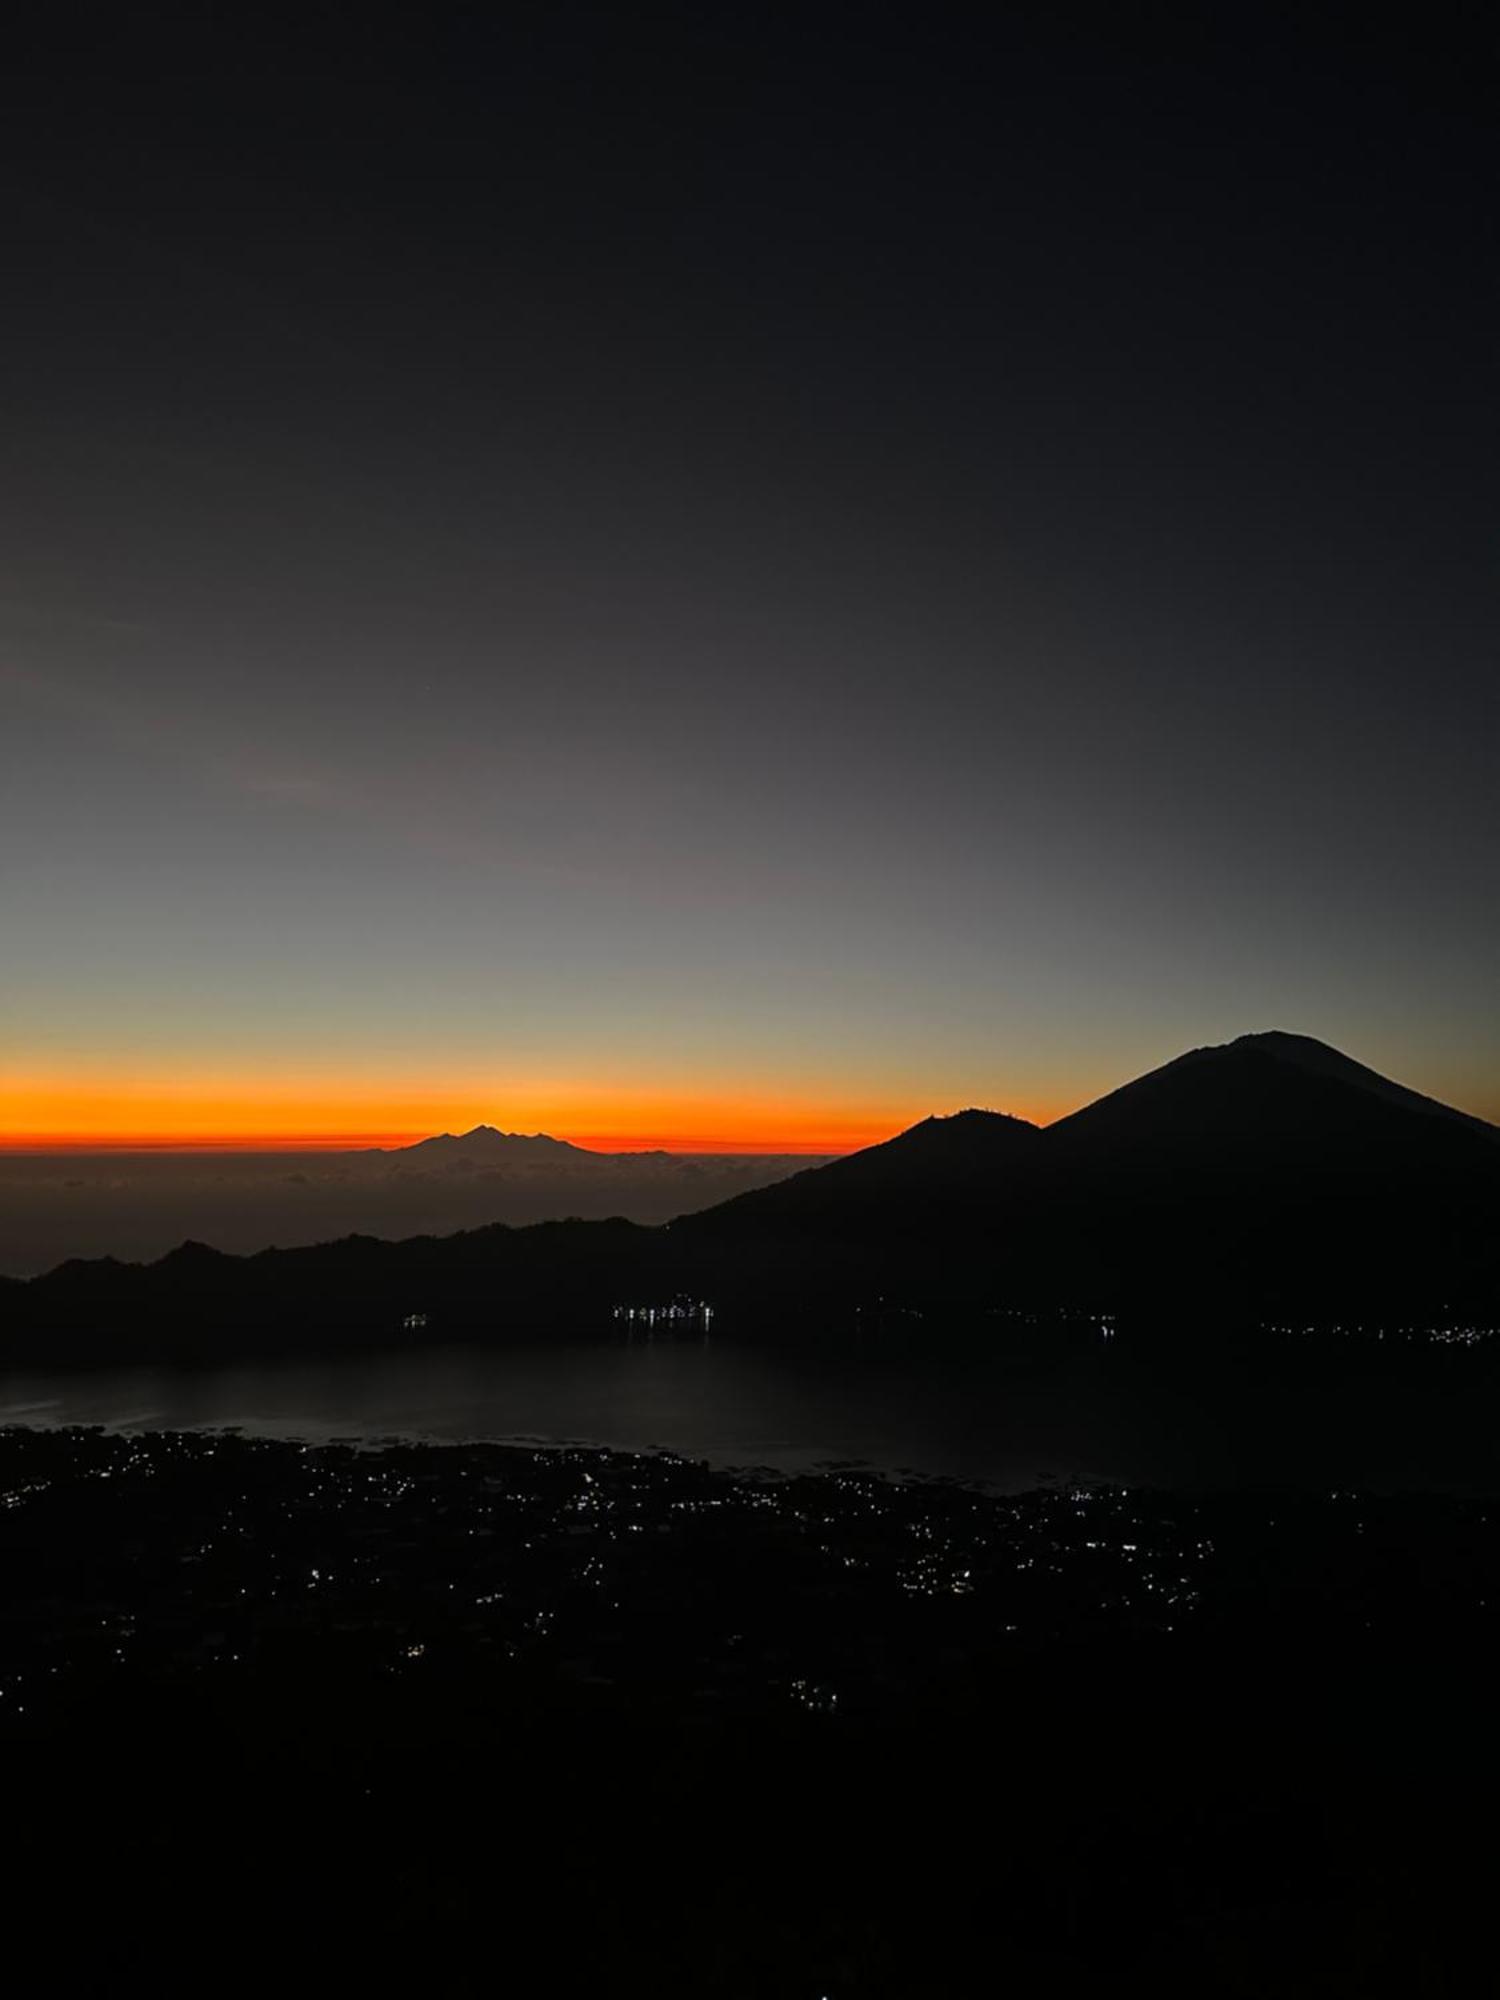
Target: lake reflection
(1093, 1415)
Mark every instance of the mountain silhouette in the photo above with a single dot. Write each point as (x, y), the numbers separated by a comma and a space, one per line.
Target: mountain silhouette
(1269, 1175)
(486, 1146)
(1271, 1169)
(1276, 1097)
(920, 1201)
(1276, 1168)
(947, 1164)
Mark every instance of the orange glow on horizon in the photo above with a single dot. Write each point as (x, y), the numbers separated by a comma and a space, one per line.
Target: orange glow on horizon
(176, 1114)
(351, 1142)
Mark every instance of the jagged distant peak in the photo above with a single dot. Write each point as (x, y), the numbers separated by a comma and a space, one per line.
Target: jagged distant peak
(480, 1138)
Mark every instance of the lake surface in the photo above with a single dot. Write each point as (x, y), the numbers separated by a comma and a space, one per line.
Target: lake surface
(1093, 1414)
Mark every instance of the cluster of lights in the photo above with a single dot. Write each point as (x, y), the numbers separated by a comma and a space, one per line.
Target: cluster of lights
(814, 1697)
(1432, 1334)
(423, 1548)
(679, 1312)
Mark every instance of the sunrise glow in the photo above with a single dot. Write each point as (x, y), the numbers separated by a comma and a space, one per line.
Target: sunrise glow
(227, 1113)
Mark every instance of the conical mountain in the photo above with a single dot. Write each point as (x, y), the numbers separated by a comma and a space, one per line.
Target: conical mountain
(1270, 1100)
(1269, 1170)
(1275, 1170)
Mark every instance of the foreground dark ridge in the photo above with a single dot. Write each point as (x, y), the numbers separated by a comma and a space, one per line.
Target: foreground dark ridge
(1267, 1178)
(363, 1712)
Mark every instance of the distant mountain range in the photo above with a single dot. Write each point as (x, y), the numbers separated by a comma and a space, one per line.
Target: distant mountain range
(137, 1205)
(1271, 1174)
(484, 1144)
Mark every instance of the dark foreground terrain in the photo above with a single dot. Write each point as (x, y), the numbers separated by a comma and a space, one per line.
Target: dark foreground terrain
(481, 1719)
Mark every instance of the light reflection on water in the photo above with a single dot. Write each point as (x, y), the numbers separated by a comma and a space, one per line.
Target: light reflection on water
(1091, 1416)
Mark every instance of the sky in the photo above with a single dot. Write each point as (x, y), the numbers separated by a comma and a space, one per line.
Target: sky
(734, 578)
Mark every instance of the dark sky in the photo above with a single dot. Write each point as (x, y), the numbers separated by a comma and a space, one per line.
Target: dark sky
(713, 573)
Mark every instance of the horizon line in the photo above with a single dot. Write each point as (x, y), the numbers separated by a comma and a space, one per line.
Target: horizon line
(628, 1144)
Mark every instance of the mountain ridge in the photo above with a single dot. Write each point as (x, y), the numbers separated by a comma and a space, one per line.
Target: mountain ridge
(1271, 1167)
(1261, 1176)
(487, 1141)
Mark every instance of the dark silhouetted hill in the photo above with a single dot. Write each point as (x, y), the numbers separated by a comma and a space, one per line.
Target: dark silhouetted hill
(196, 1303)
(1271, 1175)
(923, 1201)
(1272, 1172)
(947, 1167)
(1276, 1169)
(1267, 1098)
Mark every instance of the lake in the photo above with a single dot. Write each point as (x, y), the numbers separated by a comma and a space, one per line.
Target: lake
(1094, 1413)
